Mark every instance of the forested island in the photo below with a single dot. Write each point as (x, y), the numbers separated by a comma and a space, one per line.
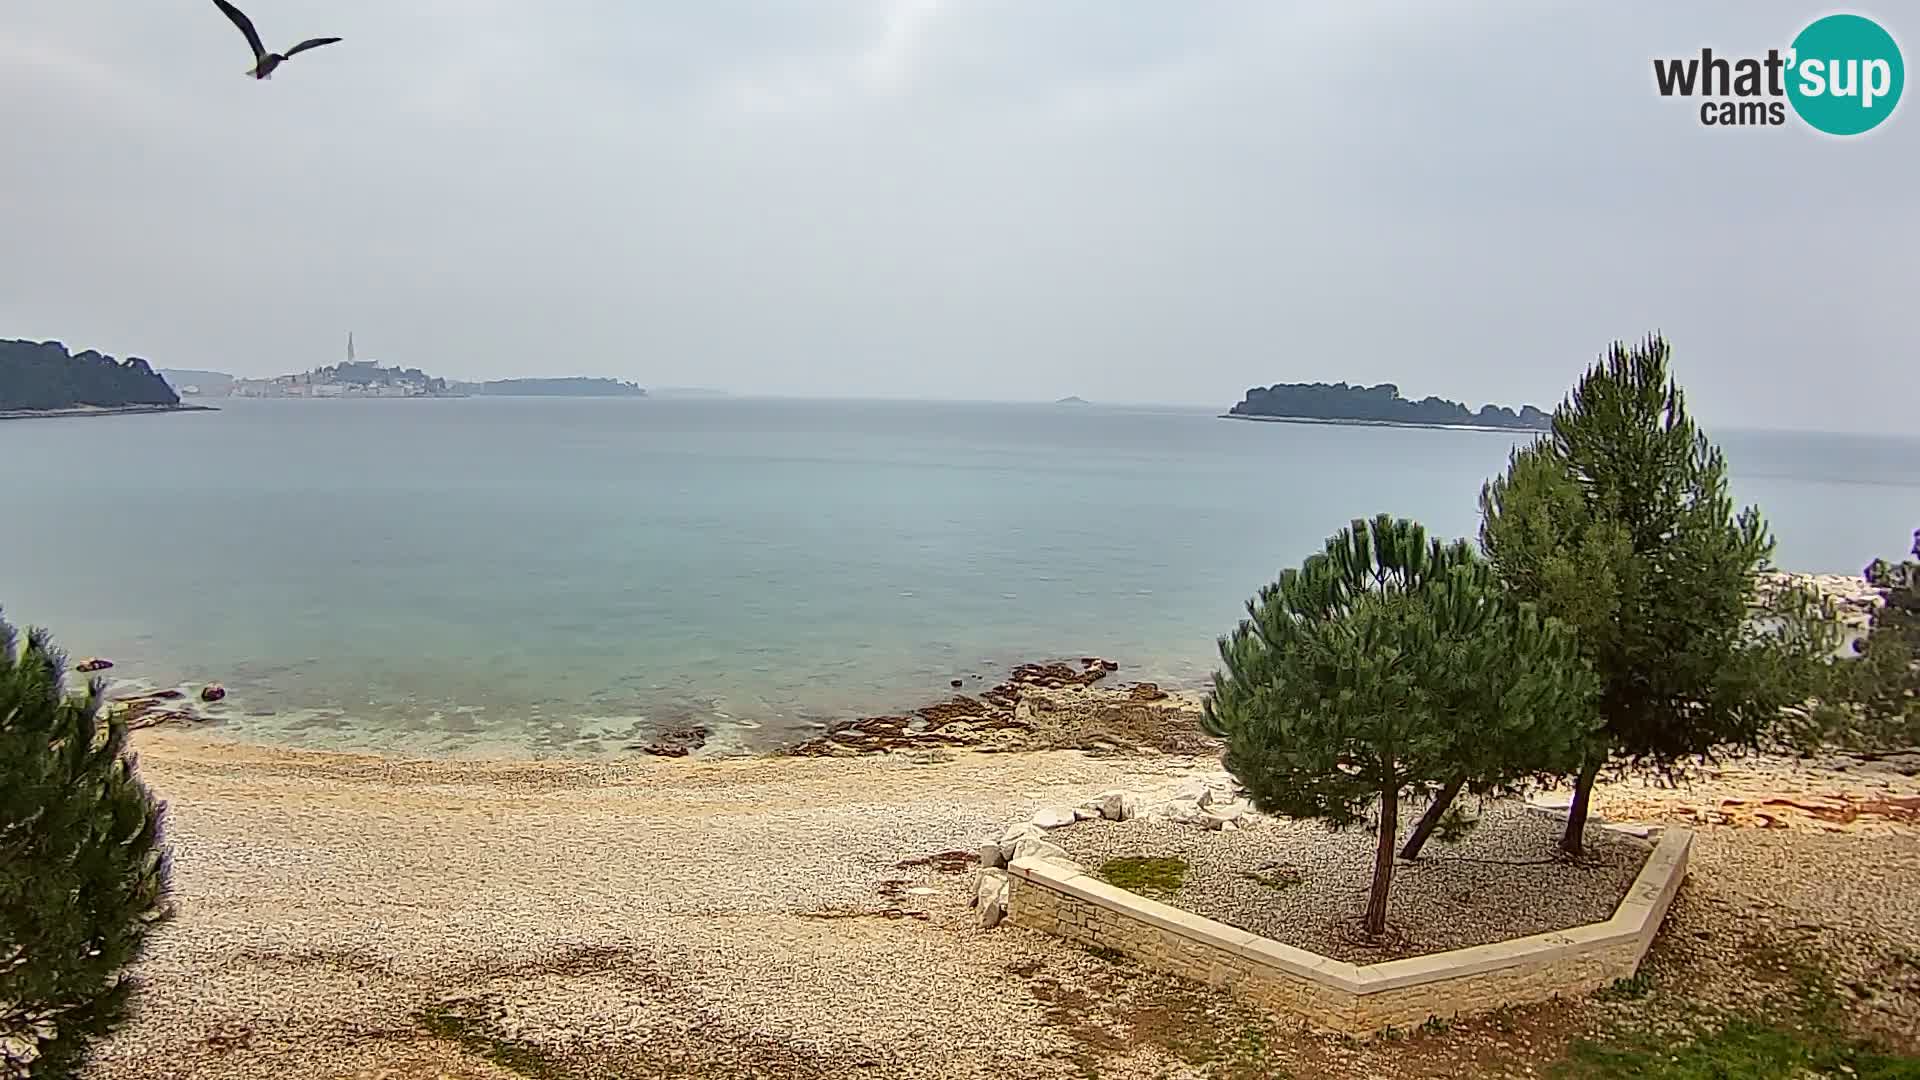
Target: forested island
(41, 378)
(1340, 403)
(571, 386)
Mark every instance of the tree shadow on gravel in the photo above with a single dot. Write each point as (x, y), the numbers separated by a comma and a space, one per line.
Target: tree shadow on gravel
(474, 1026)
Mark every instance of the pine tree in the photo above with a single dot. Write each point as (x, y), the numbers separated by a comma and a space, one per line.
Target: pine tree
(1387, 662)
(1619, 523)
(83, 876)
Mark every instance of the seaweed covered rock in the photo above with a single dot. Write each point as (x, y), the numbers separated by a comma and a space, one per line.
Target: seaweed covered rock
(1001, 718)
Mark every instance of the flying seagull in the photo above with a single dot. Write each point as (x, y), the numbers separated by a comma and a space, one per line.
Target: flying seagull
(263, 61)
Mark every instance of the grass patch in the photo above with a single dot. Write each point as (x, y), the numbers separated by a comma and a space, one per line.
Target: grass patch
(1745, 1049)
(1807, 1037)
(1220, 1044)
(473, 1036)
(1245, 1056)
(1632, 988)
(1146, 875)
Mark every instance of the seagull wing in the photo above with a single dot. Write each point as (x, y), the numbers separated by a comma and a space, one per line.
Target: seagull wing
(311, 43)
(246, 27)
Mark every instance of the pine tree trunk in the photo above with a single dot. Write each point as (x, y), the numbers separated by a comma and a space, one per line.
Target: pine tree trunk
(1376, 921)
(1431, 819)
(1574, 842)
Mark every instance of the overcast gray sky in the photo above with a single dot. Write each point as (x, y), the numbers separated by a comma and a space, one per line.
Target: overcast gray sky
(1018, 199)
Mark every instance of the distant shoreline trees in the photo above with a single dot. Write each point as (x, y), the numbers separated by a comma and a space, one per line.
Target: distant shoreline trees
(567, 386)
(1377, 404)
(43, 375)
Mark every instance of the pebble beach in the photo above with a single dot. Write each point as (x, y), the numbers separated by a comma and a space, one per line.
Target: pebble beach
(356, 916)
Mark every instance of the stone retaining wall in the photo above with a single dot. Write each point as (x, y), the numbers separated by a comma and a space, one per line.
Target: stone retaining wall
(1334, 995)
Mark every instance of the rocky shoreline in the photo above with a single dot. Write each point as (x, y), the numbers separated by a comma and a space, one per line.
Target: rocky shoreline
(1050, 706)
(99, 410)
(1376, 423)
(1039, 706)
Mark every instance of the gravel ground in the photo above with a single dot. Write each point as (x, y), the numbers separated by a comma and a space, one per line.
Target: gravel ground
(352, 917)
(741, 917)
(1299, 883)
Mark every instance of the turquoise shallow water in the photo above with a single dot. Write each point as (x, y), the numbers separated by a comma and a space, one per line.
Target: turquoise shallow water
(562, 576)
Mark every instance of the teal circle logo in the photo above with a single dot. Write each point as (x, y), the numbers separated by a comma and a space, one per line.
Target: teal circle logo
(1845, 74)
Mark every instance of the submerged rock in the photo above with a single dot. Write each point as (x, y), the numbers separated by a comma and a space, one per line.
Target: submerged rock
(151, 710)
(93, 663)
(212, 692)
(992, 721)
(677, 742)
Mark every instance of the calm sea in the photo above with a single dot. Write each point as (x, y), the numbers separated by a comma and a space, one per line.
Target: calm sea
(564, 576)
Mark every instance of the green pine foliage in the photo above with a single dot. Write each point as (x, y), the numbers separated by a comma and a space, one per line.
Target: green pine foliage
(83, 875)
(1386, 662)
(1620, 524)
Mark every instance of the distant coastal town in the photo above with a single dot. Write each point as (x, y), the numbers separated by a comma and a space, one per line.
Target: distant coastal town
(46, 379)
(357, 378)
(363, 378)
(352, 377)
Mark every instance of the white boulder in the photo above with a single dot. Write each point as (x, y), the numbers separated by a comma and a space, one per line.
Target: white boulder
(1118, 805)
(1045, 850)
(1054, 817)
(1221, 815)
(1195, 790)
(1085, 813)
(1180, 812)
(1025, 830)
(990, 891)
